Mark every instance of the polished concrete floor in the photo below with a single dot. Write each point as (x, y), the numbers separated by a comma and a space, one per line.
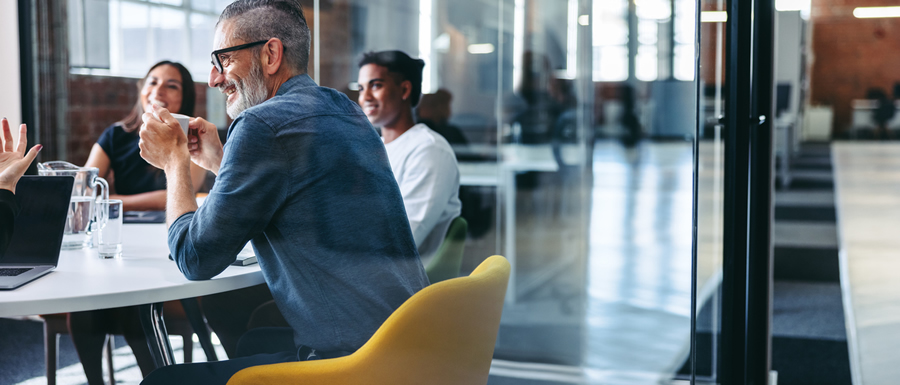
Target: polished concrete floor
(867, 184)
(630, 322)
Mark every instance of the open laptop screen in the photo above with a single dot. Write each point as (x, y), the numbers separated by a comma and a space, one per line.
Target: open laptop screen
(38, 230)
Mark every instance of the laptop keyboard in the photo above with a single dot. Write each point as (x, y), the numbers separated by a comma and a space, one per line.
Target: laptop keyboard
(9, 272)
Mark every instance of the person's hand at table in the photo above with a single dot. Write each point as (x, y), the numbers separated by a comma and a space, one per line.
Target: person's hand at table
(163, 143)
(204, 144)
(13, 159)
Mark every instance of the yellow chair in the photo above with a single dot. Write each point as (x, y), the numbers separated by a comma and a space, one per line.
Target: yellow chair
(444, 334)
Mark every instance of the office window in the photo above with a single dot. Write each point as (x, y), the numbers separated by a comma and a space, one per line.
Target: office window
(685, 19)
(610, 40)
(124, 37)
(650, 13)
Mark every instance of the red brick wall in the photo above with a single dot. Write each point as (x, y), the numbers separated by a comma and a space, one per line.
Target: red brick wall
(96, 102)
(851, 55)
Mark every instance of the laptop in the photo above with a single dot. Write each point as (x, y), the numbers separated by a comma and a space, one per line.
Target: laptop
(38, 231)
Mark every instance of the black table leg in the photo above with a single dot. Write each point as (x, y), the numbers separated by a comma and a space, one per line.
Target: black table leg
(198, 323)
(157, 337)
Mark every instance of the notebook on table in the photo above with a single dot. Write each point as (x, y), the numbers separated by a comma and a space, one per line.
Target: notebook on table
(38, 230)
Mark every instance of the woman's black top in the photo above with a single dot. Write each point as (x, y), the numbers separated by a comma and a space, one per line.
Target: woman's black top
(133, 175)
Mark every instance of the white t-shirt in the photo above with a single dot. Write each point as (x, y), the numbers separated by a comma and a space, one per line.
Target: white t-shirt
(426, 171)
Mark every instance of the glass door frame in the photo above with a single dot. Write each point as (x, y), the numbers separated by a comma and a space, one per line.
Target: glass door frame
(745, 352)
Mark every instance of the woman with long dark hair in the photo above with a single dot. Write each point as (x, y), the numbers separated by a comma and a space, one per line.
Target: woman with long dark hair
(139, 185)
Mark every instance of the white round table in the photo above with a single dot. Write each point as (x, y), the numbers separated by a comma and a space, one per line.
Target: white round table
(143, 276)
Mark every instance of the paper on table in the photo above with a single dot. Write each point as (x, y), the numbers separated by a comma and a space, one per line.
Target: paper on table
(245, 257)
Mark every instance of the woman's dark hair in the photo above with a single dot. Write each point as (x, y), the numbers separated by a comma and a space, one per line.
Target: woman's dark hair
(399, 63)
(188, 97)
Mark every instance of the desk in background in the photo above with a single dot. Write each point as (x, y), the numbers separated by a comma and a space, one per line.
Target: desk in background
(862, 116)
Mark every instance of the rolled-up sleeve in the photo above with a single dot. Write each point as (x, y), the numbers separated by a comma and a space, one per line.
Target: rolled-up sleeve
(248, 192)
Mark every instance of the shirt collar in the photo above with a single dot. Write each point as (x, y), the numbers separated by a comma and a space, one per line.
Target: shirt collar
(296, 82)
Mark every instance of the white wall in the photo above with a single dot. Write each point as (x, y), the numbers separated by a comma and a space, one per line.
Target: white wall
(10, 103)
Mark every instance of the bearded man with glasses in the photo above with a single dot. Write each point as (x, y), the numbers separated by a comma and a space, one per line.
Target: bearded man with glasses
(304, 176)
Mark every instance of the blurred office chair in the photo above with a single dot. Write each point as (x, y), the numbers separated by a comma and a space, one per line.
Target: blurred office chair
(444, 334)
(448, 258)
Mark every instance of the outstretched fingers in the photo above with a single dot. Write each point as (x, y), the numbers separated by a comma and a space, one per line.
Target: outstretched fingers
(22, 143)
(7, 137)
(29, 157)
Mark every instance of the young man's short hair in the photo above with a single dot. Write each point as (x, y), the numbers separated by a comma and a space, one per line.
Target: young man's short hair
(399, 63)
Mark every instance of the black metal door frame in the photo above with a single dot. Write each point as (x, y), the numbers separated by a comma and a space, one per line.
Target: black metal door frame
(745, 350)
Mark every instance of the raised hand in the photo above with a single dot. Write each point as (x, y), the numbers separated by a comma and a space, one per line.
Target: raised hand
(13, 159)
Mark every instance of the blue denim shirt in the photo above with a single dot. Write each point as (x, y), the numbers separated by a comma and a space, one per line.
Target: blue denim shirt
(307, 179)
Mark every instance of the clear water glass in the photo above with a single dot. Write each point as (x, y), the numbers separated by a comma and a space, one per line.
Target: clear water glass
(109, 237)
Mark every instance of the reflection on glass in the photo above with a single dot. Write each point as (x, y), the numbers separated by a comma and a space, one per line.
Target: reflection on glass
(710, 188)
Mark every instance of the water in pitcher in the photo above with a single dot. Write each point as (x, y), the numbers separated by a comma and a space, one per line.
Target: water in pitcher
(78, 224)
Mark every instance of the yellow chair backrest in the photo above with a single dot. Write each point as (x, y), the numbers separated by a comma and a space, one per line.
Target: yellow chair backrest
(444, 334)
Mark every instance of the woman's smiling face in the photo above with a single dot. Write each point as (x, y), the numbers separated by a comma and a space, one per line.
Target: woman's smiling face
(163, 86)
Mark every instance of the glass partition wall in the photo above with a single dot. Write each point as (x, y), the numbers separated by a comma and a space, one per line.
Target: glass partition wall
(582, 131)
(710, 184)
(573, 124)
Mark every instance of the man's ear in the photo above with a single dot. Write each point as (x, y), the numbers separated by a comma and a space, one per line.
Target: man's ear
(406, 88)
(272, 56)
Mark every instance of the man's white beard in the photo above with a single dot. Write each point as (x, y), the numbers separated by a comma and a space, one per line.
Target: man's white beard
(251, 90)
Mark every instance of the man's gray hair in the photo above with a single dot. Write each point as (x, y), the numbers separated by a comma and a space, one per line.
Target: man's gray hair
(256, 20)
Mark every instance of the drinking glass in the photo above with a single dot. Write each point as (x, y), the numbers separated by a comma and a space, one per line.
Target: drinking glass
(109, 238)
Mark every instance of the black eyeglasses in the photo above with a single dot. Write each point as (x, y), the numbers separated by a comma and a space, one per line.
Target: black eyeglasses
(216, 62)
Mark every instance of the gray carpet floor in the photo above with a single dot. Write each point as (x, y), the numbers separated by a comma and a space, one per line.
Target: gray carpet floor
(809, 341)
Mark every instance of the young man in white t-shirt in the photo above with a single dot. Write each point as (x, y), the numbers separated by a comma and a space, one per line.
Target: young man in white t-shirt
(390, 86)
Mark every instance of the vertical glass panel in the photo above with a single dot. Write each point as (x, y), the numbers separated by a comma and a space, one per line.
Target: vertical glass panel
(709, 194)
(544, 173)
(509, 86)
